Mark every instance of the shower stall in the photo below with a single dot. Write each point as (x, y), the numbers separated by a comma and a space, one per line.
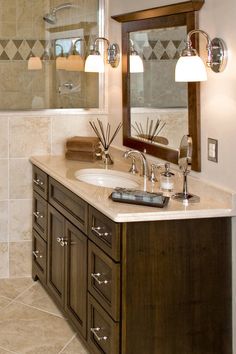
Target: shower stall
(35, 39)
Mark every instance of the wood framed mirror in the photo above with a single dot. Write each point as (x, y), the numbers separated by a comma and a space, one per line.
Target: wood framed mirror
(157, 111)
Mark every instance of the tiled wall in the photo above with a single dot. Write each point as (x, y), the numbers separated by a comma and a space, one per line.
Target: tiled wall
(159, 50)
(22, 136)
(23, 33)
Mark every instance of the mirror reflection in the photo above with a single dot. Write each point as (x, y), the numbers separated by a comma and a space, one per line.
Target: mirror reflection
(43, 45)
(158, 104)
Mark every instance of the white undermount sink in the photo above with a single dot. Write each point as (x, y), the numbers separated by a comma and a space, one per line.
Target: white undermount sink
(106, 178)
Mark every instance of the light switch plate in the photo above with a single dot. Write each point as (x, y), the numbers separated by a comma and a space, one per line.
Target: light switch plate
(212, 150)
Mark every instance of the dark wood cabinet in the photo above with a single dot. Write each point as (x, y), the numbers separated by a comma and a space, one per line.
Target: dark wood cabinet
(56, 255)
(76, 277)
(159, 287)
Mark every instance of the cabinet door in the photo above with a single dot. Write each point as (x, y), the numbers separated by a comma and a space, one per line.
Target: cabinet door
(56, 253)
(76, 277)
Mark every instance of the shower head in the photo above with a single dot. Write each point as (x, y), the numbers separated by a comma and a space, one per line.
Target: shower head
(51, 16)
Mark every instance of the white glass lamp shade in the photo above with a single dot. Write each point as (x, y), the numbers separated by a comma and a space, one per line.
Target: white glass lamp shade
(135, 64)
(35, 63)
(190, 69)
(94, 64)
(75, 63)
(61, 63)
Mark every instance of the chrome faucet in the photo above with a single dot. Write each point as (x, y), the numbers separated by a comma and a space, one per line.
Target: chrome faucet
(143, 160)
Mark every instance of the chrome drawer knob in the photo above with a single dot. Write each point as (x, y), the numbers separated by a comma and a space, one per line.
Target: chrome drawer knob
(37, 255)
(38, 182)
(38, 215)
(97, 229)
(96, 276)
(94, 331)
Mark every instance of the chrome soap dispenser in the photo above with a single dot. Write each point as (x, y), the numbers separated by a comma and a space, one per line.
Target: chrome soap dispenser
(167, 179)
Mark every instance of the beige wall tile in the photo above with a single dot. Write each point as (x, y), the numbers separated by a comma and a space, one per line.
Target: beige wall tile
(29, 136)
(3, 137)
(20, 220)
(20, 179)
(20, 262)
(3, 179)
(4, 221)
(4, 260)
(8, 10)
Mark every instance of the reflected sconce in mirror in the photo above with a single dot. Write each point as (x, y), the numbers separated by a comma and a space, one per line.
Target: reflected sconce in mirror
(191, 68)
(35, 63)
(75, 62)
(95, 62)
(61, 60)
(135, 61)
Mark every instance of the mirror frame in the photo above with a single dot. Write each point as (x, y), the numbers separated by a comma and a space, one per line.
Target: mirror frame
(178, 14)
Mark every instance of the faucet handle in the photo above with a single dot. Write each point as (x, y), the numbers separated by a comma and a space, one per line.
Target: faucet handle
(133, 169)
(154, 167)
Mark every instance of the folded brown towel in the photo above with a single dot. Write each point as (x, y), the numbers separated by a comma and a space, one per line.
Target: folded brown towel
(88, 156)
(82, 143)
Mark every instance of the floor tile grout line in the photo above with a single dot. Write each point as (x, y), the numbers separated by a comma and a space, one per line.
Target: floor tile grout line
(40, 309)
(69, 341)
(24, 291)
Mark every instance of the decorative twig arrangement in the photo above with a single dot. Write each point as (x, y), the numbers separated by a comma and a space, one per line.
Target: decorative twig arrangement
(152, 130)
(104, 135)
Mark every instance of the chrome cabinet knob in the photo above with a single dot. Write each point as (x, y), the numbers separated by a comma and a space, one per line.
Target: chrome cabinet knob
(37, 254)
(38, 182)
(97, 230)
(96, 277)
(94, 331)
(38, 215)
(63, 242)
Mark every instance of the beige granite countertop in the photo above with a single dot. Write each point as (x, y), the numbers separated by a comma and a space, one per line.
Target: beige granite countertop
(214, 202)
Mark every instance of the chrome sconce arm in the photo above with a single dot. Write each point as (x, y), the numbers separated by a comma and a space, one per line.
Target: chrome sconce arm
(216, 50)
(113, 56)
(190, 66)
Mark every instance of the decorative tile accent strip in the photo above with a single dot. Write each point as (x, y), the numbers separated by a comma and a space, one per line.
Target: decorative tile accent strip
(22, 49)
(160, 49)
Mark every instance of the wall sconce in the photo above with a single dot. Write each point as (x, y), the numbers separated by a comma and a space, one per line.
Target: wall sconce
(95, 62)
(75, 62)
(35, 63)
(61, 60)
(135, 61)
(191, 68)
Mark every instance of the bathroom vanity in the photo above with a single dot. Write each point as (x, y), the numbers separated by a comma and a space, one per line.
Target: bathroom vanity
(132, 279)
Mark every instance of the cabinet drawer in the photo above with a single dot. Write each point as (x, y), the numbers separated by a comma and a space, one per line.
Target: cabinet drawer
(40, 184)
(105, 233)
(39, 250)
(104, 280)
(103, 332)
(40, 215)
(70, 205)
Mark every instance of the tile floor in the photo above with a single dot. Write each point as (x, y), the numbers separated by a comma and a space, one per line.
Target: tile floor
(31, 323)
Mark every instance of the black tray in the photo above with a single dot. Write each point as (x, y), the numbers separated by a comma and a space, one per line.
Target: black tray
(138, 197)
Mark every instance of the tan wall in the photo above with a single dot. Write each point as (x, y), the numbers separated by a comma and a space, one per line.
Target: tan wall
(23, 32)
(22, 136)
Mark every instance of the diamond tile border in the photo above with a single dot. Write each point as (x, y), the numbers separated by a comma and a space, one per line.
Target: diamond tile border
(161, 49)
(22, 49)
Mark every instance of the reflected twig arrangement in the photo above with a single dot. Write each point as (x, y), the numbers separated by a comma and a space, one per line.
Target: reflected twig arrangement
(151, 132)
